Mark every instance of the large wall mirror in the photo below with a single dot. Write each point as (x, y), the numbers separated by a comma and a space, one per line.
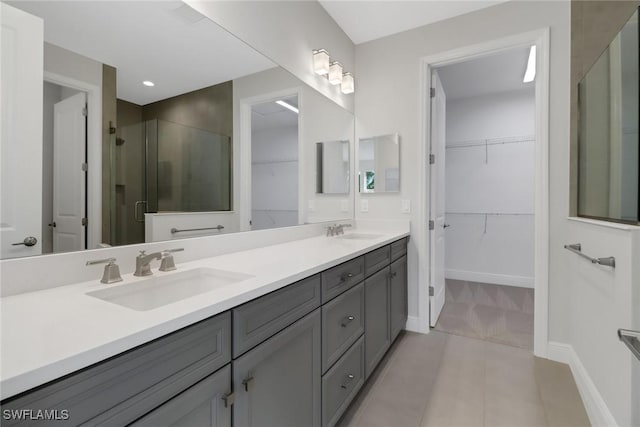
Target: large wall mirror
(608, 143)
(130, 122)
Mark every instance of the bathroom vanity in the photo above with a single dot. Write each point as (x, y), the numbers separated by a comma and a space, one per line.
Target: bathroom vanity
(271, 352)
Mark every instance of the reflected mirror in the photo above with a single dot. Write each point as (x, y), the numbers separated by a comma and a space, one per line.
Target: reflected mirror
(140, 136)
(332, 167)
(608, 143)
(379, 164)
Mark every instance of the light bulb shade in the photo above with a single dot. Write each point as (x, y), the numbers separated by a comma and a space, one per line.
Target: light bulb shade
(347, 85)
(335, 73)
(321, 62)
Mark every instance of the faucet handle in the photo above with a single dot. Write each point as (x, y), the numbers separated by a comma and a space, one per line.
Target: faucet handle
(167, 262)
(111, 272)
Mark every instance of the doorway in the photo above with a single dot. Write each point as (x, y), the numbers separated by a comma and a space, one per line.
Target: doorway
(274, 163)
(64, 169)
(488, 181)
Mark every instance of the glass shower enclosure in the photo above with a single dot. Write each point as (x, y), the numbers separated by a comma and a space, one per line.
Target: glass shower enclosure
(161, 166)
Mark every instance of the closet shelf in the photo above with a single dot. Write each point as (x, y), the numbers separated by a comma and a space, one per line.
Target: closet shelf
(491, 213)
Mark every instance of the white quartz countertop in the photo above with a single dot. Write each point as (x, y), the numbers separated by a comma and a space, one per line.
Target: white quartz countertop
(51, 333)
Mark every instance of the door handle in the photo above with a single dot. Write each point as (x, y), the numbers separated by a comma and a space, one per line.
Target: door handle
(135, 210)
(446, 225)
(53, 224)
(28, 241)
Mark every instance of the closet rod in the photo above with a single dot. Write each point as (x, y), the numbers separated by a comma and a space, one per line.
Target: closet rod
(494, 141)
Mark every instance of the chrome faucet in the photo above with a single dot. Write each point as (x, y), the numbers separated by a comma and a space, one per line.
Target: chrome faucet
(143, 263)
(336, 229)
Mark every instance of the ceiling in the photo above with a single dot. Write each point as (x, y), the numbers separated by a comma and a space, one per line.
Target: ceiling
(494, 73)
(166, 42)
(269, 115)
(365, 20)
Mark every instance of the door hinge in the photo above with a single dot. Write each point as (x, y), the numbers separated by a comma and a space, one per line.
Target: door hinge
(85, 221)
(85, 111)
(85, 167)
(229, 399)
(432, 92)
(432, 225)
(432, 159)
(431, 291)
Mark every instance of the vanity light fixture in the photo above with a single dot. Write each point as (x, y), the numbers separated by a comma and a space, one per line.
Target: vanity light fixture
(321, 62)
(287, 106)
(148, 83)
(347, 85)
(335, 73)
(530, 74)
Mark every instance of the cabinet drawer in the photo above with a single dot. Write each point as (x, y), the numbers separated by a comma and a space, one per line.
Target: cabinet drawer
(133, 383)
(342, 324)
(342, 383)
(261, 318)
(375, 260)
(338, 279)
(398, 249)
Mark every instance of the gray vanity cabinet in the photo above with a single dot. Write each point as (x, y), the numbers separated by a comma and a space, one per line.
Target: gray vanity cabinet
(377, 335)
(398, 296)
(277, 383)
(203, 405)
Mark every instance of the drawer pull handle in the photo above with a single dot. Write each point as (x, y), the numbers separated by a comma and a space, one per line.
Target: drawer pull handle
(346, 276)
(229, 399)
(347, 320)
(247, 383)
(350, 378)
(392, 275)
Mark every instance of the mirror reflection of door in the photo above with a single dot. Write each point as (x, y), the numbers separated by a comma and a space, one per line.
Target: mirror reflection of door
(274, 163)
(64, 178)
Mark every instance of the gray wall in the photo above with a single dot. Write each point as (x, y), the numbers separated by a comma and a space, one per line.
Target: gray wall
(210, 109)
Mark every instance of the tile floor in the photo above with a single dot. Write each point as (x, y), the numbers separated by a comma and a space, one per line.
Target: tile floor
(447, 380)
(501, 314)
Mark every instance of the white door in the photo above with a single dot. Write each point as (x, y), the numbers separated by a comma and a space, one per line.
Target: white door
(69, 183)
(436, 204)
(21, 133)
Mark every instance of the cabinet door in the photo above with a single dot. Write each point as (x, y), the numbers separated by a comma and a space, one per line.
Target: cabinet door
(277, 384)
(199, 406)
(398, 291)
(376, 319)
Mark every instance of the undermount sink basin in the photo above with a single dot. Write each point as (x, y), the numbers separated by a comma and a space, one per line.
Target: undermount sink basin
(360, 236)
(159, 290)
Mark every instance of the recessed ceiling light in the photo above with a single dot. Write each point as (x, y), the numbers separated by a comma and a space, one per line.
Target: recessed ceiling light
(530, 74)
(288, 106)
(148, 83)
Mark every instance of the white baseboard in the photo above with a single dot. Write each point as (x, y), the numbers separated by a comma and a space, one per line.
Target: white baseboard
(414, 325)
(594, 404)
(498, 279)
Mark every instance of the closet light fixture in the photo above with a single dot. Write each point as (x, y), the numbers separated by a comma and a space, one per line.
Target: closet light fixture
(335, 73)
(148, 83)
(530, 74)
(287, 106)
(347, 85)
(321, 62)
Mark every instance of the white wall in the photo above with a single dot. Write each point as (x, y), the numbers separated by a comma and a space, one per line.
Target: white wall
(498, 179)
(274, 178)
(320, 119)
(602, 300)
(287, 32)
(388, 101)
